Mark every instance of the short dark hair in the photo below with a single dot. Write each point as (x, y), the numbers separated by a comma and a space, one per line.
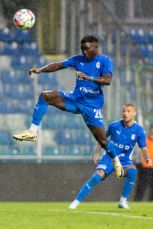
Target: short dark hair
(129, 105)
(151, 126)
(89, 39)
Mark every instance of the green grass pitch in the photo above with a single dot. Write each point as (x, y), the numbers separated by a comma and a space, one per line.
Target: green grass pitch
(103, 215)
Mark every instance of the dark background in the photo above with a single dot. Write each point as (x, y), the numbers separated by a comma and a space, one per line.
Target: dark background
(53, 182)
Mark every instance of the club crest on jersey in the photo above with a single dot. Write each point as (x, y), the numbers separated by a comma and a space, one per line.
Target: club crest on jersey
(133, 136)
(98, 65)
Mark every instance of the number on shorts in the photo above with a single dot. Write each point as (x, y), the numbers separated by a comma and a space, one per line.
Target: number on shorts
(98, 113)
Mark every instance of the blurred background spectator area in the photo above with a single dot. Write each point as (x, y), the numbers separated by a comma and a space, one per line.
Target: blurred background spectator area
(125, 32)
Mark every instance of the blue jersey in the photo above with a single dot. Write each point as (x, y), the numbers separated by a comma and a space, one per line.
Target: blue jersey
(88, 92)
(125, 138)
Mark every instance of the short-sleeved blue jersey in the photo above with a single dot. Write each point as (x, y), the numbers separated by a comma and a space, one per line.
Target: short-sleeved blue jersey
(125, 138)
(88, 92)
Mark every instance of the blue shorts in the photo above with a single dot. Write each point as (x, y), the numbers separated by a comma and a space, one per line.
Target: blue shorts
(106, 164)
(91, 116)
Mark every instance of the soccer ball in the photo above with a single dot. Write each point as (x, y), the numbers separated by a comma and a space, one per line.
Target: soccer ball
(24, 19)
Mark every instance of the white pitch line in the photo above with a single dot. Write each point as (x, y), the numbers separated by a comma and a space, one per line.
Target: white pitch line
(106, 213)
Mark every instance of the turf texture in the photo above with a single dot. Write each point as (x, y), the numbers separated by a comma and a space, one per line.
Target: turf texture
(89, 215)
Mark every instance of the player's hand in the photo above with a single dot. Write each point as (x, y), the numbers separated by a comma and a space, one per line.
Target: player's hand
(82, 75)
(149, 162)
(95, 158)
(34, 70)
(96, 155)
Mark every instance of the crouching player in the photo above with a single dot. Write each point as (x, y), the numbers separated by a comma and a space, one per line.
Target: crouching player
(124, 134)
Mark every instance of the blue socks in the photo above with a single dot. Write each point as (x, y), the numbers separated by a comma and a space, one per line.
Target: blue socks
(88, 187)
(110, 149)
(96, 179)
(39, 111)
(129, 182)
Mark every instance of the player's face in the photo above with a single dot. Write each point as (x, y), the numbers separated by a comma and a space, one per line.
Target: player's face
(128, 114)
(89, 50)
(151, 133)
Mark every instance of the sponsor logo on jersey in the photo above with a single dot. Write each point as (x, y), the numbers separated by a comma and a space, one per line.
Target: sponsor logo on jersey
(133, 136)
(121, 146)
(89, 91)
(98, 65)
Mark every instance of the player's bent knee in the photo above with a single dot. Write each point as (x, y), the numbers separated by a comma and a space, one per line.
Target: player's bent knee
(101, 173)
(49, 96)
(45, 96)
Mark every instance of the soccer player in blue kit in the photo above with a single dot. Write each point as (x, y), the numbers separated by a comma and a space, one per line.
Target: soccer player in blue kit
(93, 71)
(124, 134)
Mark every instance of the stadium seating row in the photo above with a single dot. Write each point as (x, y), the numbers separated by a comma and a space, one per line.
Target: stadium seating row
(9, 35)
(64, 150)
(69, 137)
(21, 77)
(137, 35)
(17, 49)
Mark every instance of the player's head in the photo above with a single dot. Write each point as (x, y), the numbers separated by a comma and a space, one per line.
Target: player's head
(129, 113)
(89, 46)
(150, 134)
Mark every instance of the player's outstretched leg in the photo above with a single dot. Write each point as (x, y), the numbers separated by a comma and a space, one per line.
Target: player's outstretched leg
(86, 190)
(127, 187)
(38, 113)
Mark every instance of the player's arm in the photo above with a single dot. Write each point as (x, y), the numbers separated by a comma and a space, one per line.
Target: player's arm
(145, 156)
(104, 80)
(53, 67)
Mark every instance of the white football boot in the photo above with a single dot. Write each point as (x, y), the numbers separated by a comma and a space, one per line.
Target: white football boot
(74, 204)
(123, 204)
(27, 135)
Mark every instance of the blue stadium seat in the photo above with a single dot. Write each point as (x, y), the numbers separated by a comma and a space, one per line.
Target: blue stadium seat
(41, 61)
(49, 79)
(26, 150)
(15, 77)
(30, 49)
(51, 150)
(6, 35)
(22, 36)
(144, 51)
(5, 150)
(5, 137)
(139, 36)
(9, 77)
(21, 63)
(25, 107)
(19, 91)
(6, 106)
(150, 36)
(150, 51)
(64, 137)
(11, 49)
